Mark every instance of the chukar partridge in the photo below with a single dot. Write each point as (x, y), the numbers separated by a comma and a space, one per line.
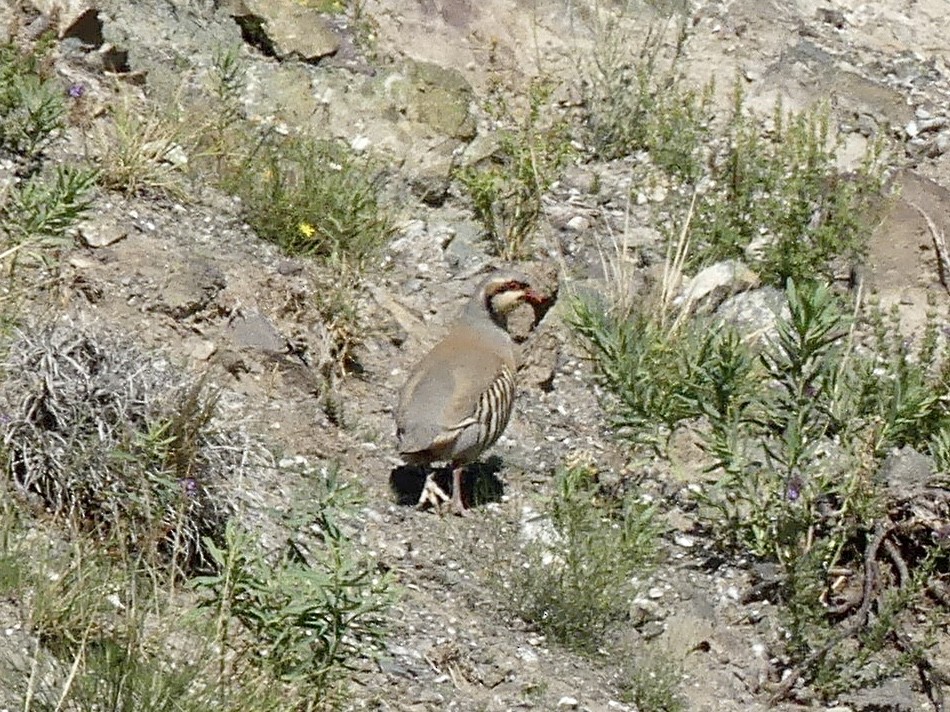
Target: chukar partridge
(458, 398)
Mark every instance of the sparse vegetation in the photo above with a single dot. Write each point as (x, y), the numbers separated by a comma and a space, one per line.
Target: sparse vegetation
(117, 445)
(779, 201)
(143, 150)
(32, 103)
(308, 614)
(796, 429)
(313, 198)
(273, 633)
(506, 188)
(769, 192)
(576, 577)
(640, 103)
(37, 214)
(653, 683)
(796, 425)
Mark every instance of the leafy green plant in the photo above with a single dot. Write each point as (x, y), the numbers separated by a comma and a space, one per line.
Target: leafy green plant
(32, 103)
(797, 427)
(260, 634)
(507, 188)
(651, 367)
(576, 580)
(780, 201)
(306, 614)
(902, 390)
(652, 683)
(771, 495)
(38, 213)
(111, 629)
(313, 198)
(639, 102)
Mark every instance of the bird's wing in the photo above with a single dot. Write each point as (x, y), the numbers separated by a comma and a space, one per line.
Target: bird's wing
(441, 395)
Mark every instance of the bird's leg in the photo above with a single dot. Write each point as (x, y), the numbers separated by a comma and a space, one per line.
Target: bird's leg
(457, 504)
(432, 493)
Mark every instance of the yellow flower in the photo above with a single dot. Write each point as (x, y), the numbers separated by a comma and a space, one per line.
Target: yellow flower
(306, 229)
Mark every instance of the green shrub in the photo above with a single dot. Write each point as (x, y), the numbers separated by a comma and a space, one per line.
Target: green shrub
(774, 197)
(306, 612)
(112, 628)
(651, 368)
(32, 104)
(784, 192)
(313, 198)
(640, 103)
(506, 189)
(796, 428)
(38, 213)
(652, 683)
(576, 581)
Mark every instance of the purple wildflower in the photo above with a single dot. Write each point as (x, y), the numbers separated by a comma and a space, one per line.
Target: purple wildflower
(190, 486)
(793, 490)
(76, 91)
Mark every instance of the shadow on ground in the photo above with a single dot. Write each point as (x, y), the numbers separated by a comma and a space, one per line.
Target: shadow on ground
(480, 483)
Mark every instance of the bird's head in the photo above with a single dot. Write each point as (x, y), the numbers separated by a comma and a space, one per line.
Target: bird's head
(500, 293)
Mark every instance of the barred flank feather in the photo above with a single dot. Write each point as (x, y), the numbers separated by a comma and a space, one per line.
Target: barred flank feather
(494, 408)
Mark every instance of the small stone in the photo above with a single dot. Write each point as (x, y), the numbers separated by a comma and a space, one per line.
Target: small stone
(203, 350)
(934, 124)
(97, 234)
(655, 592)
(658, 194)
(684, 541)
(938, 146)
(81, 262)
(568, 702)
(288, 268)
(911, 129)
(578, 223)
(652, 629)
(832, 17)
(528, 657)
(751, 75)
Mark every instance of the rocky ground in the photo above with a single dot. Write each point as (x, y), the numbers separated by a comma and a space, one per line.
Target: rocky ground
(190, 279)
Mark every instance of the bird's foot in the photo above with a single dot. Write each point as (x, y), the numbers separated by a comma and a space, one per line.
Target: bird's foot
(432, 495)
(436, 497)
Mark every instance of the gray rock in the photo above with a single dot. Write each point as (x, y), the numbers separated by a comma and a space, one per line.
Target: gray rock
(754, 313)
(294, 29)
(708, 289)
(906, 471)
(189, 288)
(440, 98)
(101, 232)
(252, 330)
(466, 248)
(890, 696)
